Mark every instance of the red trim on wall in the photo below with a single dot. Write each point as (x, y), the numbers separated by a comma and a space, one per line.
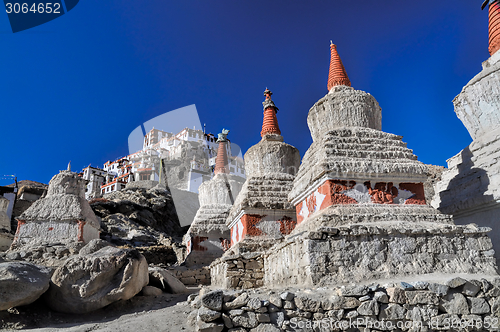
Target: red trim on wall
(250, 222)
(287, 225)
(494, 27)
(81, 224)
(196, 240)
(20, 222)
(417, 189)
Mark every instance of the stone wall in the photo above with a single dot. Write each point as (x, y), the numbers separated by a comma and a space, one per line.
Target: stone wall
(238, 271)
(456, 304)
(191, 276)
(362, 253)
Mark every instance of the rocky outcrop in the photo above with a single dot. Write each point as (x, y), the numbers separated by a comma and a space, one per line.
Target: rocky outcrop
(22, 283)
(86, 283)
(456, 304)
(44, 253)
(137, 216)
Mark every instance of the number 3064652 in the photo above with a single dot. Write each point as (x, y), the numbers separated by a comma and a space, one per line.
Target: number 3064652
(40, 8)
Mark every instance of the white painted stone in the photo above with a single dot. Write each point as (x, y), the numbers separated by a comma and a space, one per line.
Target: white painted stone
(344, 107)
(56, 217)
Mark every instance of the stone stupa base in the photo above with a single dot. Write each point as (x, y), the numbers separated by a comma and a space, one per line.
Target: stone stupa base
(339, 246)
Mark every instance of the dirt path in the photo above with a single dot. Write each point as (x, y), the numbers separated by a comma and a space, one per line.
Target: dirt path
(156, 313)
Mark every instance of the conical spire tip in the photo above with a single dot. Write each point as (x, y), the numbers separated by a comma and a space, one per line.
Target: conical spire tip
(337, 74)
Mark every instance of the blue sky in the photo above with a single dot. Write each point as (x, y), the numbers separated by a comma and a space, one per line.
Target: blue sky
(74, 88)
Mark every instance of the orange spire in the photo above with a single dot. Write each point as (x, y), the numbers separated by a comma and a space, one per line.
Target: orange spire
(337, 74)
(270, 123)
(494, 27)
(221, 165)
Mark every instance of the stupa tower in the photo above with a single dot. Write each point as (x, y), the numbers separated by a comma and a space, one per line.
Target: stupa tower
(469, 189)
(361, 210)
(261, 211)
(208, 236)
(270, 123)
(221, 165)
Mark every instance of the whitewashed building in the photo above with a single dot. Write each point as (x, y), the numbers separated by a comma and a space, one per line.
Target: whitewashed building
(192, 145)
(95, 178)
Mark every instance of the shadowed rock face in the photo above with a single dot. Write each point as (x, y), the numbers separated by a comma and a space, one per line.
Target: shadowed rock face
(86, 283)
(138, 216)
(22, 283)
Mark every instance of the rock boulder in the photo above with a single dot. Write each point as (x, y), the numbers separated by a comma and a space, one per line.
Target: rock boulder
(87, 283)
(22, 283)
(165, 280)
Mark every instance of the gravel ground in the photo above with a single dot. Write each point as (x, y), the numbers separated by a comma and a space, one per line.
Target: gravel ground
(167, 312)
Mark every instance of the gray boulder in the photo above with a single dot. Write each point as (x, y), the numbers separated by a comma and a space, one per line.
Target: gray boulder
(22, 283)
(165, 280)
(87, 283)
(151, 291)
(213, 300)
(93, 246)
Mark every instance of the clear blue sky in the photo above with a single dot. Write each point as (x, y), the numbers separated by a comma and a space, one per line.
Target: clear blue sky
(74, 88)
